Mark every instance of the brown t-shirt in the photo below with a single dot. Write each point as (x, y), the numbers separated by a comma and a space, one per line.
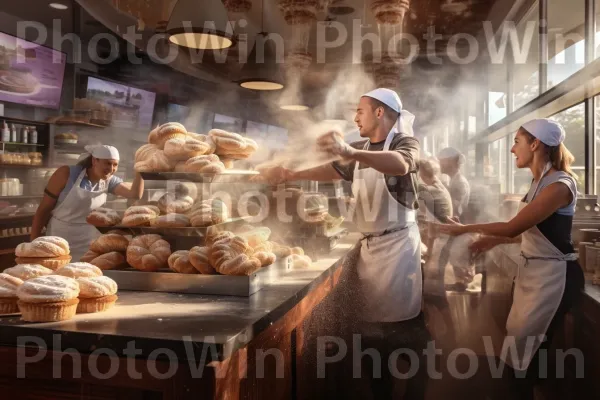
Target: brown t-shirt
(402, 188)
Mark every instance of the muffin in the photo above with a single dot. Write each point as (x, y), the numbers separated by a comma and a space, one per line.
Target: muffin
(26, 272)
(48, 298)
(48, 251)
(79, 270)
(96, 294)
(8, 293)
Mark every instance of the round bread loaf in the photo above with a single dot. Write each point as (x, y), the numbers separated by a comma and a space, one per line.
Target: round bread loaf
(44, 246)
(171, 221)
(181, 149)
(171, 203)
(96, 286)
(179, 261)
(103, 217)
(170, 130)
(198, 257)
(109, 242)
(110, 260)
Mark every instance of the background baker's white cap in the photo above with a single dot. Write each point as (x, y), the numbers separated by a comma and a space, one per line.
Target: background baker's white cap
(549, 132)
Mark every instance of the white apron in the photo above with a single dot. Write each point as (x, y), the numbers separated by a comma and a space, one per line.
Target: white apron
(68, 218)
(538, 291)
(389, 264)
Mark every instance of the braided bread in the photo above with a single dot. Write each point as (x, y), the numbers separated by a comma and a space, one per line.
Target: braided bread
(180, 262)
(171, 203)
(213, 235)
(110, 260)
(199, 259)
(208, 212)
(148, 253)
(109, 242)
(44, 246)
(170, 130)
(103, 217)
(232, 257)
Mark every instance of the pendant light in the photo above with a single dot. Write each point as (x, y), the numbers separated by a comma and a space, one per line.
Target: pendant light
(200, 26)
(264, 74)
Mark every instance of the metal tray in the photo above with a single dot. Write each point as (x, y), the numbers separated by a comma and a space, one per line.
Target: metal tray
(232, 175)
(188, 231)
(168, 281)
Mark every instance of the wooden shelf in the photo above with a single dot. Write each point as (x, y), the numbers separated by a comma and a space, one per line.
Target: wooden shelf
(22, 121)
(20, 197)
(23, 166)
(21, 144)
(74, 123)
(16, 217)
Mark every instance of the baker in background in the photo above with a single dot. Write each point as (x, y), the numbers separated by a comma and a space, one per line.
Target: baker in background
(549, 280)
(74, 191)
(451, 163)
(383, 171)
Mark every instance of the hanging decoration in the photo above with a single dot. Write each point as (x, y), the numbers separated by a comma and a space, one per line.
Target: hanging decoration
(299, 12)
(238, 6)
(389, 12)
(385, 68)
(152, 14)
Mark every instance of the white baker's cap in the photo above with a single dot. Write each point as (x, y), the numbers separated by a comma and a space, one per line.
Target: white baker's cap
(549, 132)
(451, 152)
(392, 100)
(100, 151)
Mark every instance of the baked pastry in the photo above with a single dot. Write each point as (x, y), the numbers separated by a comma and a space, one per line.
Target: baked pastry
(140, 215)
(171, 221)
(264, 246)
(213, 235)
(27, 271)
(183, 148)
(208, 164)
(170, 130)
(281, 251)
(79, 270)
(153, 135)
(227, 142)
(179, 261)
(103, 217)
(299, 261)
(8, 293)
(145, 152)
(109, 242)
(265, 257)
(198, 257)
(96, 294)
(110, 260)
(210, 143)
(171, 203)
(208, 212)
(250, 147)
(148, 253)
(183, 189)
(52, 263)
(44, 246)
(158, 162)
(231, 257)
(256, 236)
(48, 298)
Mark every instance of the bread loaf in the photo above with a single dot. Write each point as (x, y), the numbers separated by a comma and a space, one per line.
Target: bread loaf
(153, 135)
(171, 221)
(213, 235)
(179, 261)
(148, 253)
(199, 258)
(44, 246)
(159, 162)
(145, 152)
(227, 141)
(103, 217)
(109, 242)
(140, 215)
(79, 270)
(110, 260)
(27, 271)
(171, 203)
(170, 130)
(208, 212)
(210, 143)
(208, 164)
(181, 149)
(265, 257)
(231, 257)
(299, 261)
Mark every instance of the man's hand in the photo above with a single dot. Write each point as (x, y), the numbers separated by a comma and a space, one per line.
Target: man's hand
(333, 143)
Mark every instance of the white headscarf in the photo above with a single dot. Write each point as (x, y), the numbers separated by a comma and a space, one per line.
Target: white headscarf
(549, 132)
(100, 151)
(391, 99)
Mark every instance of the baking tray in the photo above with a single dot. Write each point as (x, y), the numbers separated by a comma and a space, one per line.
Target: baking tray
(229, 176)
(187, 232)
(173, 282)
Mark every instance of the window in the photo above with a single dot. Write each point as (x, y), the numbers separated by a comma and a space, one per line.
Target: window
(495, 169)
(496, 107)
(497, 90)
(566, 39)
(526, 59)
(573, 120)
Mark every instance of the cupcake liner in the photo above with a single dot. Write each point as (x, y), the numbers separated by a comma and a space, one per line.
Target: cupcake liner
(8, 305)
(48, 312)
(53, 263)
(97, 304)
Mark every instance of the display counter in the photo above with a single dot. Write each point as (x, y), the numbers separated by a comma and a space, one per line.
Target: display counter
(185, 346)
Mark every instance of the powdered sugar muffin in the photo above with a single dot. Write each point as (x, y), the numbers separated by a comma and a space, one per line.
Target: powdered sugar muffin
(79, 270)
(48, 298)
(28, 271)
(96, 294)
(8, 293)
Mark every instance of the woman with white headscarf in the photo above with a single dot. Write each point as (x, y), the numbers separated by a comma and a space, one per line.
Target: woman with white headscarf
(549, 279)
(74, 191)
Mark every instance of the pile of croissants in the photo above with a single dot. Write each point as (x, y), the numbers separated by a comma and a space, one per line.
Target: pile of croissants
(172, 148)
(227, 253)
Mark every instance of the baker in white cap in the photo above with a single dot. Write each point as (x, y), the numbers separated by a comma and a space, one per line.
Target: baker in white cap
(74, 191)
(549, 280)
(382, 168)
(451, 164)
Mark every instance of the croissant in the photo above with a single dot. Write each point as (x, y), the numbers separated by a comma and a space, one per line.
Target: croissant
(179, 261)
(148, 253)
